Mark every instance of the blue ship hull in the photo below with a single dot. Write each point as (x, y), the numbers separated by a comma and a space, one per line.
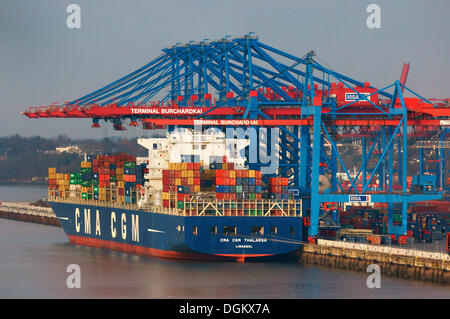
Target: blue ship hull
(175, 236)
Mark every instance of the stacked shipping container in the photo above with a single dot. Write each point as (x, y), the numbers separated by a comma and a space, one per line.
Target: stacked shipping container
(179, 181)
(104, 178)
(278, 188)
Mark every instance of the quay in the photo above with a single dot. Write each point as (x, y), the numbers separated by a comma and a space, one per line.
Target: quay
(23, 211)
(397, 262)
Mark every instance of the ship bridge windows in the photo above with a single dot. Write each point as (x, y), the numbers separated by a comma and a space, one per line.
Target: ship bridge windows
(214, 230)
(229, 230)
(155, 146)
(194, 230)
(257, 230)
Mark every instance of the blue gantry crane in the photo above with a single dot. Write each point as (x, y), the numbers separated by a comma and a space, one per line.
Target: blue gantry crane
(243, 82)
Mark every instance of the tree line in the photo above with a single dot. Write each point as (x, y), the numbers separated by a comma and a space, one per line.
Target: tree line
(26, 159)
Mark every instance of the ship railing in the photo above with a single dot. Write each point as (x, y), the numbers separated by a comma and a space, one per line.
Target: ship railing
(262, 208)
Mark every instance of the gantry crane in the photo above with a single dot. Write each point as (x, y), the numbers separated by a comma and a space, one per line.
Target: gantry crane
(243, 82)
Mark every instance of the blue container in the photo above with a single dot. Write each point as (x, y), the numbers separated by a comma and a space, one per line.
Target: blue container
(251, 181)
(232, 189)
(258, 189)
(95, 175)
(222, 189)
(183, 189)
(129, 171)
(129, 185)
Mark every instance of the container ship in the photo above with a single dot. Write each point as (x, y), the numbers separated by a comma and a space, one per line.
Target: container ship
(192, 197)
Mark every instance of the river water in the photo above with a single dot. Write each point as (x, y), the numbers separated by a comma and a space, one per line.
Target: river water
(34, 260)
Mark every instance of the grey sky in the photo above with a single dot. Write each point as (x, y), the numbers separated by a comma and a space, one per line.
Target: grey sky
(41, 60)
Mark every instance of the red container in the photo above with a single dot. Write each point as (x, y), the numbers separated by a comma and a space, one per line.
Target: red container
(232, 181)
(166, 188)
(258, 182)
(226, 181)
(121, 191)
(219, 181)
(129, 178)
(245, 174)
(275, 189)
(196, 181)
(238, 173)
(258, 196)
(190, 166)
(166, 203)
(197, 166)
(182, 197)
(197, 173)
(177, 174)
(184, 181)
(220, 196)
(219, 173)
(258, 174)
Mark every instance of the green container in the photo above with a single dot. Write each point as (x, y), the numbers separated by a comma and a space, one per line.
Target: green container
(72, 181)
(78, 176)
(129, 164)
(85, 170)
(90, 196)
(238, 189)
(84, 195)
(112, 178)
(96, 189)
(72, 176)
(251, 196)
(180, 204)
(86, 183)
(95, 182)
